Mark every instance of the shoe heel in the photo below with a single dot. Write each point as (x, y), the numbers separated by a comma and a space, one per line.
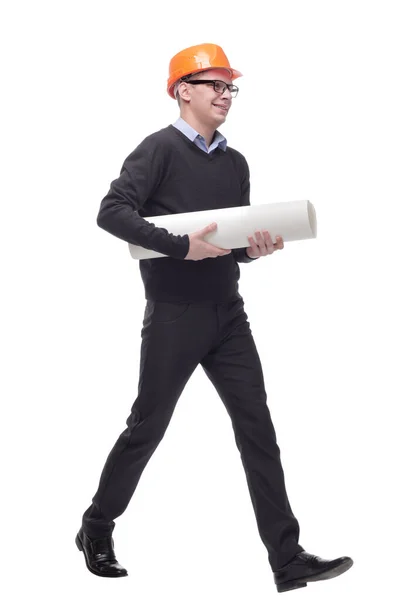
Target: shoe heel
(78, 543)
(290, 585)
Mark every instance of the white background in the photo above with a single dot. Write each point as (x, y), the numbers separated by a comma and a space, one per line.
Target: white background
(317, 118)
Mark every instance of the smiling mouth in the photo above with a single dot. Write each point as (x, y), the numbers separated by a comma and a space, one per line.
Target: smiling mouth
(225, 108)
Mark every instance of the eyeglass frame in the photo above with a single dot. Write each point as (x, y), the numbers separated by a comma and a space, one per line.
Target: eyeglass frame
(214, 81)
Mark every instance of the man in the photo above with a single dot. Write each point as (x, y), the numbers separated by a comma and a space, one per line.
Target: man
(195, 315)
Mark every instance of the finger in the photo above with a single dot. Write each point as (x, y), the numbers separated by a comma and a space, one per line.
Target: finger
(253, 245)
(217, 250)
(279, 242)
(269, 242)
(261, 243)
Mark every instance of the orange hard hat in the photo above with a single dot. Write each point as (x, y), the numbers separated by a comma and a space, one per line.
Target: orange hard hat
(196, 59)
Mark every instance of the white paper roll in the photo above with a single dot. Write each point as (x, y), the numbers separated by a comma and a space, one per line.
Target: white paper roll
(293, 221)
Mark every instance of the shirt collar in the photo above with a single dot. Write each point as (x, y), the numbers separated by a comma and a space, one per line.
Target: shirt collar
(192, 134)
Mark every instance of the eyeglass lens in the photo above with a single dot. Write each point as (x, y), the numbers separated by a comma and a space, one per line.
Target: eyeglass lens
(220, 86)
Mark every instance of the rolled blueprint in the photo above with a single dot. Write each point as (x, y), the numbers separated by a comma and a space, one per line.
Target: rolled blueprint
(295, 220)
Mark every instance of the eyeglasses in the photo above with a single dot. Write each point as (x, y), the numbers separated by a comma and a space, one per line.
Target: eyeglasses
(219, 86)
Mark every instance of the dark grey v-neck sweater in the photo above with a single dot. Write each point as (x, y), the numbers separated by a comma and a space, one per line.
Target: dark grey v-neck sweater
(168, 174)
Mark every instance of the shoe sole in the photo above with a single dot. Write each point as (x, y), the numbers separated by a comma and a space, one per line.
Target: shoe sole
(80, 547)
(302, 581)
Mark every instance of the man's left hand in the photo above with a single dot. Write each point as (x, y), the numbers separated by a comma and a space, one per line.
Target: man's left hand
(263, 245)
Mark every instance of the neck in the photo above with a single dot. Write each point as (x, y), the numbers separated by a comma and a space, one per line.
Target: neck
(207, 131)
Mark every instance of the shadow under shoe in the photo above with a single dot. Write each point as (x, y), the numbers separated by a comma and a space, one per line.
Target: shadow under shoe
(305, 567)
(99, 555)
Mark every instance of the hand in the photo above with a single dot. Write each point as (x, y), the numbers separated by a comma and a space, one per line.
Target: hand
(263, 244)
(200, 249)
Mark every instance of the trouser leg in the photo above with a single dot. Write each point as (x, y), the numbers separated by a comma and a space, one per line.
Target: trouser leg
(234, 368)
(174, 338)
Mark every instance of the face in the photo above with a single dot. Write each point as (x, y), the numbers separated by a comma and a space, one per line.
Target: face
(203, 102)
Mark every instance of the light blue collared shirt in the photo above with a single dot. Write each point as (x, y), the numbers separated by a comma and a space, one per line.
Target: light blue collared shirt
(194, 136)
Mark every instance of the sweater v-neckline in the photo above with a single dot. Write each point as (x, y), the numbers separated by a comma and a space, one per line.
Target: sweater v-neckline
(207, 155)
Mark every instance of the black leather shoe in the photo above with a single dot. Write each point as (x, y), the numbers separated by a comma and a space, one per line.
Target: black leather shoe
(99, 555)
(306, 567)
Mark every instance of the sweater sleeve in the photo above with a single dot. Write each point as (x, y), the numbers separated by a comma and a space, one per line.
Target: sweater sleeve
(240, 254)
(140, 175)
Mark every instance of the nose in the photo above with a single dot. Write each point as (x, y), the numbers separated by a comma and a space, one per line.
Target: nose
(226, 94)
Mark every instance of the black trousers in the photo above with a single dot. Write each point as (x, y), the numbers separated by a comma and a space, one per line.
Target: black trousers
(176, 338)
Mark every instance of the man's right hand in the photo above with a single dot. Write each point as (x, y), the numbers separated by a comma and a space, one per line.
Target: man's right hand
(199, 249)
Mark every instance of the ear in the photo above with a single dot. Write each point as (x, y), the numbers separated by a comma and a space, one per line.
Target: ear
(184, 91)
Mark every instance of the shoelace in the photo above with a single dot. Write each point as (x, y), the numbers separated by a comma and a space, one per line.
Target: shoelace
(103, 547)
(311, 559)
